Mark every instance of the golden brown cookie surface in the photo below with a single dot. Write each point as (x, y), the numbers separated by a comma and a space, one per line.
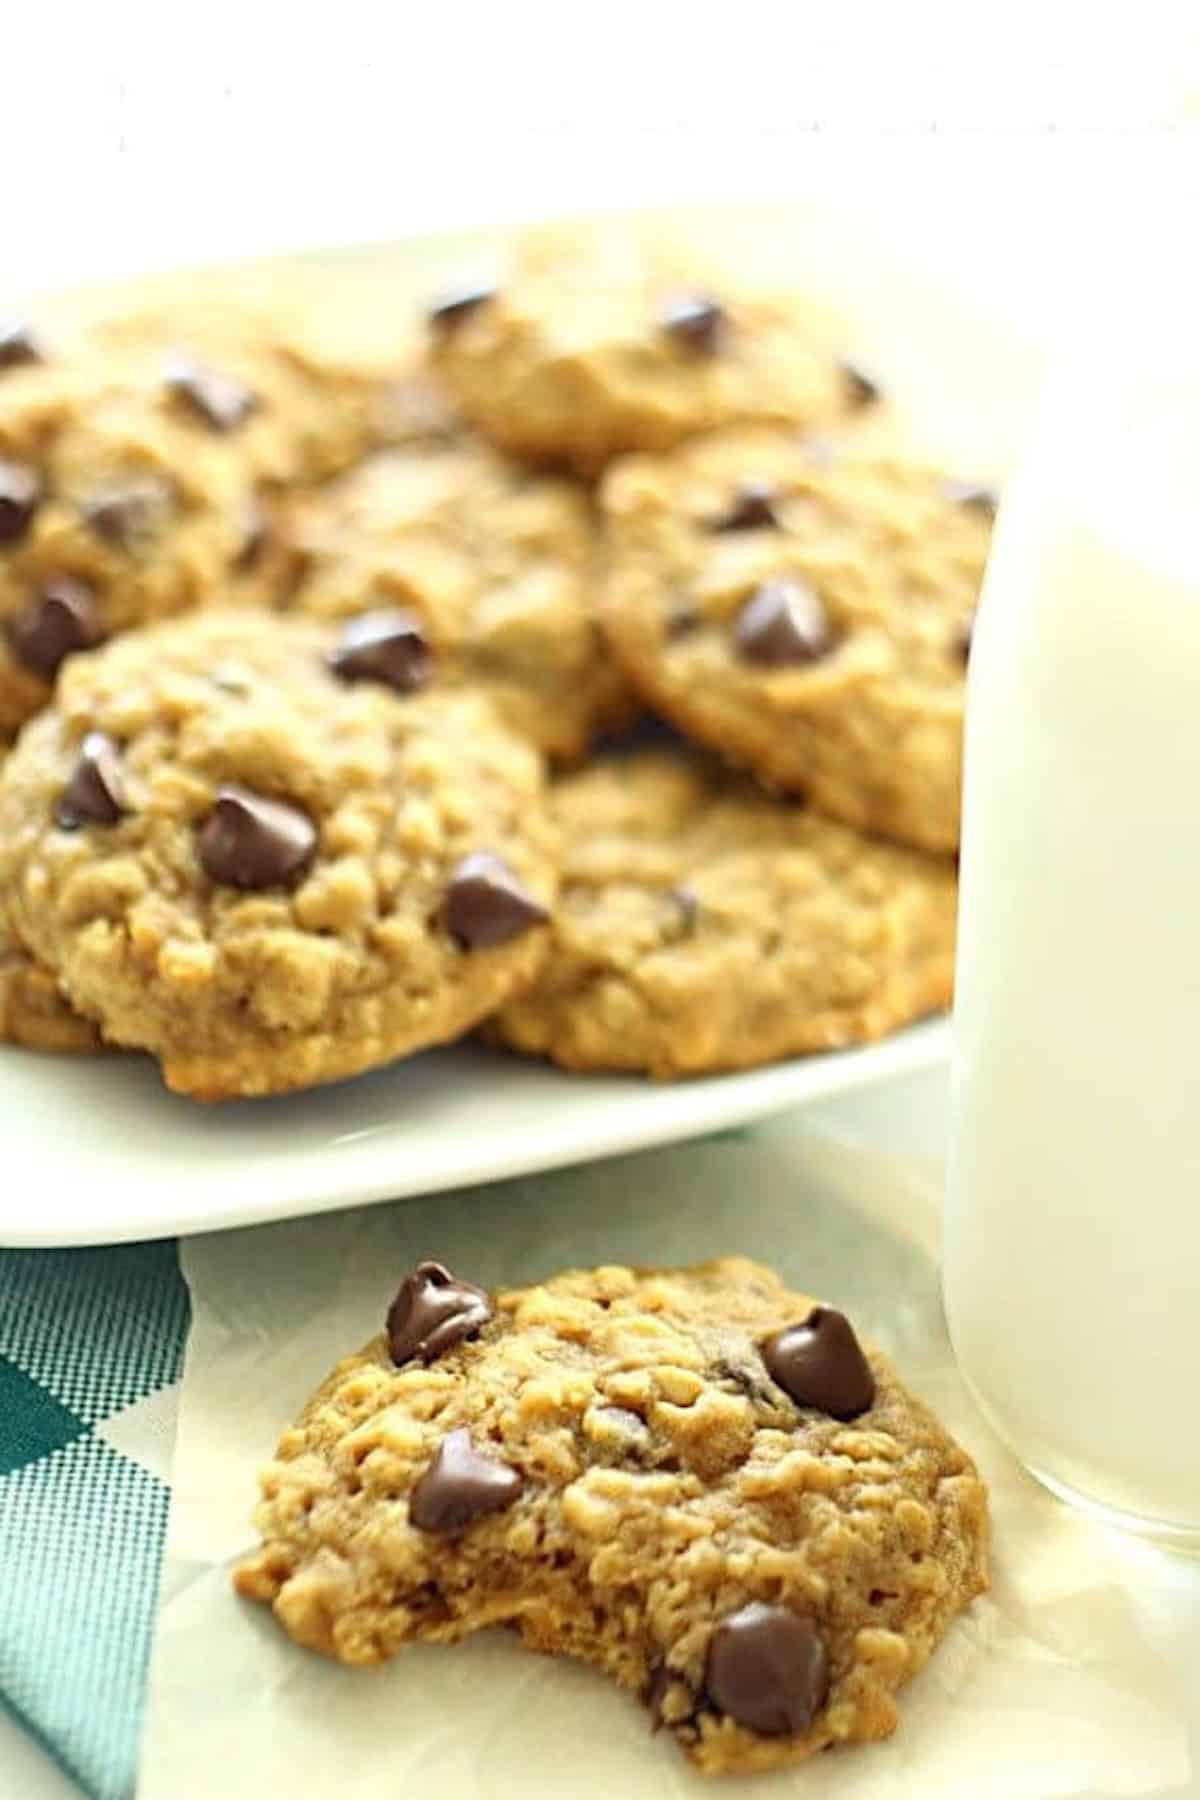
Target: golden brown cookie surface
(704, 925)
(499, 567)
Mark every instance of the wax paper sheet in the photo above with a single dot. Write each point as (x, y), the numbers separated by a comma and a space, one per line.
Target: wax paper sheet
(1073, 1677)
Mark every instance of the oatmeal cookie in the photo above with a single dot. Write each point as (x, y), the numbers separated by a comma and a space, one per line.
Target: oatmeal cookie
(705, 925)
(602, 343)
(808, 614)
(696, 1480)
(497, 568)
(266, 866)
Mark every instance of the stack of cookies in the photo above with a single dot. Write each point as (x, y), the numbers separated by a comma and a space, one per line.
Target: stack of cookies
(583, 661)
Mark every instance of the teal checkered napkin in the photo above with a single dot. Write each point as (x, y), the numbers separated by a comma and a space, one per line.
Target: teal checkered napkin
(90, 1340)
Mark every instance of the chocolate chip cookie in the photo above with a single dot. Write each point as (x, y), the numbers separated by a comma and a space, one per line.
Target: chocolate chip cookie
(267, 866)
(494, 570)
(115, 510)
(807, 613)
(704, 925)
(303, 371)
(696, 1480)
(600, 343)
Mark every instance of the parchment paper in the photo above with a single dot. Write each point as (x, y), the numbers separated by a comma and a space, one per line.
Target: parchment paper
(1072, 1678)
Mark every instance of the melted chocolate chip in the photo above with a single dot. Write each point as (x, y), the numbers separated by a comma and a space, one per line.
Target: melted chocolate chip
(219, 401)
(433, 1312)
(863, 387)
(487, 904)
(127, 515)
(460, 1486)
(972, 494)
(20, 496)
(820, 1364)
(782, 624)
(248, 841)
(56, 622)
(95, 794)
(449, 309)
(751, 507)
(18, 345)
(694, 320)
(768, 1669)
(388, 646)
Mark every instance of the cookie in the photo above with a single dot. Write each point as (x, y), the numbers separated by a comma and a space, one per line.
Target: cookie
(695, 1480)
(807, 614)
(266, 868)
(495, 568)
(704, 925)
(598, 344)
(34, 1013)
(298, 368)
(115, 511)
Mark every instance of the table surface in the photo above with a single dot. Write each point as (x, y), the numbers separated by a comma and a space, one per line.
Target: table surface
(1004, 172)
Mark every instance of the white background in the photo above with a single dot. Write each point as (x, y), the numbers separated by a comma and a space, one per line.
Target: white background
(1023, 158)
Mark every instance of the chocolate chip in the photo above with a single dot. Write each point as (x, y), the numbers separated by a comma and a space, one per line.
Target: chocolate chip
(696, 320)
(449, 309)
(864, 389)
(433, 1312)
(820, 1364)
(95, 794)
(487, 904)
(752, 506)
(60, 619)
(460, 1486)
(18, 345)
(973, 495)
(389, 646)
(20, 495)
(248, 841)
(768, 1669)
(127, 515)
(781, 624)
(219, 401)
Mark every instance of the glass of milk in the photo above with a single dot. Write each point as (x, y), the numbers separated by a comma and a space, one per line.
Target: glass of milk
(1072, 1242)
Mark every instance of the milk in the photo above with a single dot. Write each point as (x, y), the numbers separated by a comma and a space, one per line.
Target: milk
(1072, 1242)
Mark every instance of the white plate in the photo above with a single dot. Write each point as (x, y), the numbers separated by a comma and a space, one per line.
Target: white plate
(97, 1152)
(110, 1155)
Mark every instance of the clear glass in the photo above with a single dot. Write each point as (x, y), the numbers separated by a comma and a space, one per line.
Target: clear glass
(1072, 1242)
